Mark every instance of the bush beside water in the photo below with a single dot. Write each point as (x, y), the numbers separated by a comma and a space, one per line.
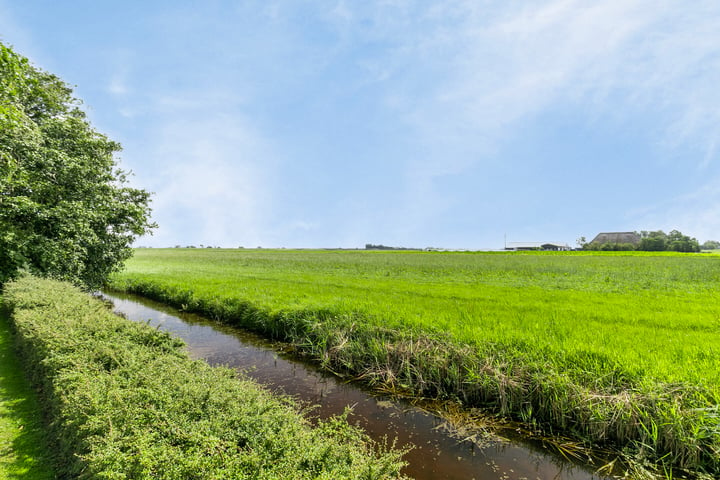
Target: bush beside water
(125, 402)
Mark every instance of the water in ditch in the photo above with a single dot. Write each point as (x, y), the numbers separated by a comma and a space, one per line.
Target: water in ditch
(437, 451)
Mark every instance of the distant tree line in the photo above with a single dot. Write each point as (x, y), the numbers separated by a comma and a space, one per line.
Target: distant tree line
(710, 245)
(370, 246)
(609, 246)
(655, 241)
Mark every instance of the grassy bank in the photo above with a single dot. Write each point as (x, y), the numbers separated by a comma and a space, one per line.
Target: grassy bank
(24, 453)
(125, 402)
(619, 351)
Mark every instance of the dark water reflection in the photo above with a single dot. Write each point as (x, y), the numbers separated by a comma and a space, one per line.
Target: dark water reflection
(437, 454)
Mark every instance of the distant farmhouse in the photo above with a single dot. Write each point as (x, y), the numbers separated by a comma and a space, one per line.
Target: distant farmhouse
(548, 246)
(617, 238)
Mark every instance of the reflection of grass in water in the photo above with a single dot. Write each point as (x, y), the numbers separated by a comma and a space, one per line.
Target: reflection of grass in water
(609, 347)
(22, 448)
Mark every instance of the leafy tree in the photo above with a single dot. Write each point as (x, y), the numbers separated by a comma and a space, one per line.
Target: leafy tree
(710, 245)
(653, 241)
(674, 241)
(65, 208)
(609, 247)
(678, 242)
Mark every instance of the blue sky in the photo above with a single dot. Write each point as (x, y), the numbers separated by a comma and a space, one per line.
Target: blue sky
(408, 123)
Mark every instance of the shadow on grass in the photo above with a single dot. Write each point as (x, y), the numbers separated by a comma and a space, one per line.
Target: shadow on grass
(24, 453)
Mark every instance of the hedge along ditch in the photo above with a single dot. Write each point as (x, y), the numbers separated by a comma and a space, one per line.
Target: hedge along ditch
(650, 424)
(124, 401)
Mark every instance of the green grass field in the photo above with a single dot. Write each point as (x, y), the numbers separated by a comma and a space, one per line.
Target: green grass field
(620, 349)
(23, 450)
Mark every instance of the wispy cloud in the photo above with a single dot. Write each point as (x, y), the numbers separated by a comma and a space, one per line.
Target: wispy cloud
(647, 57)
(118, 84)
(283, 122)
(210, 188)
(697, 213)
(460, 68)
(465, 77)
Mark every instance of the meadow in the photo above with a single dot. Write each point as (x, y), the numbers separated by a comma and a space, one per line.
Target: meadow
(619, 351)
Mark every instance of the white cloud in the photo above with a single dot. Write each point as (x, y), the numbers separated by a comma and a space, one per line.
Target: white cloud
(459, 69)
(443, 87)
(118, 86)
(653, 55)
(465, 76)
(696, 214)
(213, 186)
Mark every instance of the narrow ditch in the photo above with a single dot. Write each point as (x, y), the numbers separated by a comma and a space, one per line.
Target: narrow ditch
(437, 450)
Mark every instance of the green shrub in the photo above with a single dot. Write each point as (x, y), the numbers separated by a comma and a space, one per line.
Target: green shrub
(125, 402)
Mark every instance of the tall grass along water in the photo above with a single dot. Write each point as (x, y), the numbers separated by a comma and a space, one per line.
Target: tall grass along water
(434, 449)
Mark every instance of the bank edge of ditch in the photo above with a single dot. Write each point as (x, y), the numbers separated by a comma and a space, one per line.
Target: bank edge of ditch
(656, 430)
(124, 401)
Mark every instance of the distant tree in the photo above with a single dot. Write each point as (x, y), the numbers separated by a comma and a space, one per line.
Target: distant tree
(674, 241)
(710, 245)
(65, 208)
(677, 242)
(370, 246)
(652, 241)
(613, 247)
